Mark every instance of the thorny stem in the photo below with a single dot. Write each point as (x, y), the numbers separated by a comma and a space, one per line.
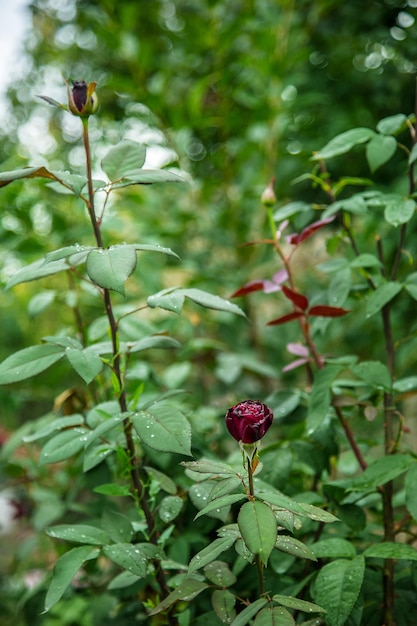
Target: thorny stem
(259, 564)
(138, 488)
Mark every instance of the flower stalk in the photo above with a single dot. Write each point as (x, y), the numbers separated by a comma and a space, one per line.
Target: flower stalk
(248, 422)
(138, 488)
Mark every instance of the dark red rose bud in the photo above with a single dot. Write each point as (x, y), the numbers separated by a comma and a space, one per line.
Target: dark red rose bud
(79, 94)
(249, 420)
(82, 98)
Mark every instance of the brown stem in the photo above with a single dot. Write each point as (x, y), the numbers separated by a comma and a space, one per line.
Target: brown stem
(387, 490)
(355, 448)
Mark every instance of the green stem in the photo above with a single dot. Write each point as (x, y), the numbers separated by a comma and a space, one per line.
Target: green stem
(137, 485)
(259, 564)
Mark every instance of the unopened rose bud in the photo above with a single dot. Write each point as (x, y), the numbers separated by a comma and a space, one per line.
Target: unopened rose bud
(268, 197)
(82, 98)
(249, 420)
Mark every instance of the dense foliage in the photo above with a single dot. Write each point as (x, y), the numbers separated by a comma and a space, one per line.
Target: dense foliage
(154, 279)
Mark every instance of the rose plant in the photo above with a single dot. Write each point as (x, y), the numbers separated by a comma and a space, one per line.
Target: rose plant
(319, 518)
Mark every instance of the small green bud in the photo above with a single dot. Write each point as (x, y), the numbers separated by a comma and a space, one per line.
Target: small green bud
(268, 197)
(82, 98)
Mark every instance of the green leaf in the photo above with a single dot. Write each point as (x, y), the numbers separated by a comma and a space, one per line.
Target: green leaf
(207, 466)
(220, 503)
(317, 514)
(297, 604)
(411, 284)
(274, 616)
(379, 150)
(411, 490)
(113, 490)
(382, 471)
(85, 362)
(187, 590)
(63, 341)
(344, 142)
(68, 251)
(123, 160)
(258, 526)
(392, 124)
(288, 210)
(355, 204)
(105, 427)
(154, 247)
(29, 362)
(337, 588)
(246, 615)
(170, 508)
(111, 267)
(403, 385)
(26, 172)
(117, 526)
(122, 580)
(37, 270)
(62, 446)
(79, 533)
(282, 501)
(223, 602)
(168, 299)
(321, 397)
(65, 569)
(95, 455)
(291, 545)
(56, 424)
(339, 287)
(373, 373)
(163, 427)
(225, 486)
(74, 182)
(333, 547)
(381, 296)
(161, 342)
(41, 301)
(413, 155)
(148, 177)
(173, 300)
(391, 550)
(366, 260)
(210, 553)
(128, 556)
(219, 574)
(165, 482)
(399, 210)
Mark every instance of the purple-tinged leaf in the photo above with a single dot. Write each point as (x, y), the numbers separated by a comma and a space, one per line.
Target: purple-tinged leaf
(298, 299)
(297, 349)
(323, 310)
(254, 285)
(286, 318)
(294, 364)
(270, 286)
(298, 238)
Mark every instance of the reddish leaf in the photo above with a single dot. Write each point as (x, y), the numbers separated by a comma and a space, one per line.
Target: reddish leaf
(297, 298)
(327, 311)
(298, 238)
(255, 285)
(286, 318)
